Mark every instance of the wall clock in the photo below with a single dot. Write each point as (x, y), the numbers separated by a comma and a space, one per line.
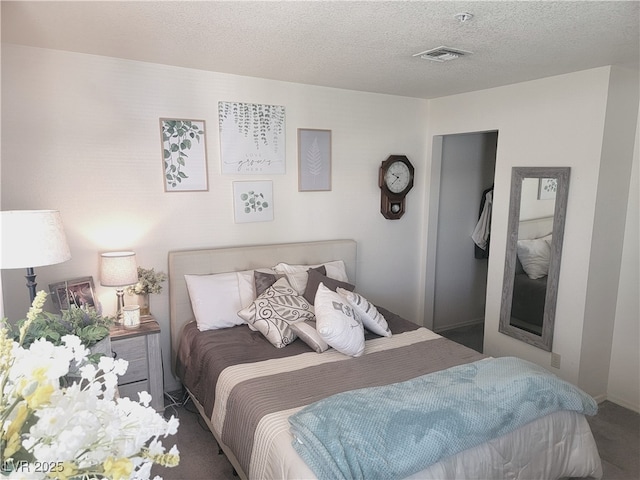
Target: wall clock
(395, 181)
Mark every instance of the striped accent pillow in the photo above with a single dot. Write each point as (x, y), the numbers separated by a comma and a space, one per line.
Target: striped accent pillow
(371, 318)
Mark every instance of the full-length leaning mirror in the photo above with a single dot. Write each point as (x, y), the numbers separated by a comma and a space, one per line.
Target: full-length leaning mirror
(537, 211)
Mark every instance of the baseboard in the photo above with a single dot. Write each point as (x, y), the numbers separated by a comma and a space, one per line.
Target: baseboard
(468, 323)
(621, 402)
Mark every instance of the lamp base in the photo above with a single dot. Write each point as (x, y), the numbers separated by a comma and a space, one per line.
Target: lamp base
(31, 283)
(120, 307)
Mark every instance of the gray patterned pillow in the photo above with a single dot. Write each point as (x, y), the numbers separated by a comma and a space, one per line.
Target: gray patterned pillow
(273, 312)
(306, 331)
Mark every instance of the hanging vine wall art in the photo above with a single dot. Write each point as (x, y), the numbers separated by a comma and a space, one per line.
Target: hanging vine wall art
(184, 155)
(252, 138)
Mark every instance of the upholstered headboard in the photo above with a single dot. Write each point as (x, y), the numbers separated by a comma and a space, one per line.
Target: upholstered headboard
(230, 259)
(535, 228)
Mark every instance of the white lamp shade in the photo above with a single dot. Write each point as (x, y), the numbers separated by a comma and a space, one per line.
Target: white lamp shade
(32, 238)
(118, 269)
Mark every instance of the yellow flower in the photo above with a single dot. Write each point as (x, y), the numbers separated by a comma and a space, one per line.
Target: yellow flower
(12, 436)
(164, 459)
(117, 468)
(34, 311)
(6, 344)
(40, 396)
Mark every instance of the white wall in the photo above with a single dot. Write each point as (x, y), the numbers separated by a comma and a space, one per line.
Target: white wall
(557, 121)
(624, 371)
(81, 134)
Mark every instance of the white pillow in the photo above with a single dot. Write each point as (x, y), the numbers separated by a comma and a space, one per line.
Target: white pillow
(247, 286)
(297, 274)
(273, 312)
(215, 300)
(338, 323)
(372, 319)
(534, 256)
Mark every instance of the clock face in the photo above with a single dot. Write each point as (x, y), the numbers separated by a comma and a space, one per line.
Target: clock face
(397, 177)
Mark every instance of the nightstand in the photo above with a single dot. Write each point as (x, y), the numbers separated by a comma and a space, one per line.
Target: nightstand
(141, 348)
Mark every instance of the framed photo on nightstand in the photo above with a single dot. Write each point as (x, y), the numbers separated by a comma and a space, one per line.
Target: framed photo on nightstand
(79, 292)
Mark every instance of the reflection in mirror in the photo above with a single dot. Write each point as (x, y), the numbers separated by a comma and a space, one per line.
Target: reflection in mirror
(534, 245)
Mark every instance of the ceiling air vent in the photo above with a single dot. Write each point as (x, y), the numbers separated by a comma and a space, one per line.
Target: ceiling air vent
(442, 54)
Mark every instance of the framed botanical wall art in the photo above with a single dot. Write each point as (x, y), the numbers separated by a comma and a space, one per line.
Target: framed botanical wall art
(184, 155)
(253, 201)
(252, 138)
(547, 188)
(78, 292)
(314, 160)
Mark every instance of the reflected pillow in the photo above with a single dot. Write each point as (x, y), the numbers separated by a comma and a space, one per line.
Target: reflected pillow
(534, 256)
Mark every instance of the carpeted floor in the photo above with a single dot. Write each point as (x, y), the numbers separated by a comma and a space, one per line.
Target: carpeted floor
(615, 429)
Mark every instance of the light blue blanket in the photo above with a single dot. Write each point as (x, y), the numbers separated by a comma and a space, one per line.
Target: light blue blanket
(396, 430)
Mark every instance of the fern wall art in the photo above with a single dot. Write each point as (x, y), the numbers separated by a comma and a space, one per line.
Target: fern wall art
(314, 160)
(184, 155)
(251, 138)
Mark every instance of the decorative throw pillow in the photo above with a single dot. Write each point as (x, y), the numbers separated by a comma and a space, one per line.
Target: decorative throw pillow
(338, 323)
(263, 280)
(297, 274)
(273, 312)
(306, 331)
(316, 278)
(535, 256)
(298, 280)
(372, 319)
(215, 300)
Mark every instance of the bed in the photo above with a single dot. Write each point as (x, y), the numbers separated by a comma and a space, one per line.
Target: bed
(253, 395)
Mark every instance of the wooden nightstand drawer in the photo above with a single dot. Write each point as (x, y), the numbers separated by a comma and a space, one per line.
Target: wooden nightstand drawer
(141, 348)
(134, 351)
(131, 390)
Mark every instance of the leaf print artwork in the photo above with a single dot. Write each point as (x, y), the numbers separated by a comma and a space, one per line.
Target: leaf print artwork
(314, 160)
(184, 154)
(253, 201)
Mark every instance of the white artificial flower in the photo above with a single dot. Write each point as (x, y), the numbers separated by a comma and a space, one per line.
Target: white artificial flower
(74, 419)
(145, 398)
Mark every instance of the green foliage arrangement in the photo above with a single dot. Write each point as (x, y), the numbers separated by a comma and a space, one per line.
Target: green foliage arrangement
(85, 323)
(177, 137)
(148, 282)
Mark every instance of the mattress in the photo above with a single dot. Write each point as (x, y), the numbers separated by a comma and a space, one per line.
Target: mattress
(246, 389)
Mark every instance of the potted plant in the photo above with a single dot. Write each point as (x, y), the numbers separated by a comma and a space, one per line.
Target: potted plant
(148, 282)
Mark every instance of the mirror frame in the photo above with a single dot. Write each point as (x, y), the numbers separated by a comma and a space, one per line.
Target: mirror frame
(518, 174)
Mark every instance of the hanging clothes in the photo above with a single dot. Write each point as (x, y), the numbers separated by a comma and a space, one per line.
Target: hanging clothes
(481, 234)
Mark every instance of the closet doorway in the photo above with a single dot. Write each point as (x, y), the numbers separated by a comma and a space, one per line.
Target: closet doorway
(463, 172)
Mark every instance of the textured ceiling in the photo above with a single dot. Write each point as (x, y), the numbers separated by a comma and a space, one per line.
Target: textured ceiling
(365, 46)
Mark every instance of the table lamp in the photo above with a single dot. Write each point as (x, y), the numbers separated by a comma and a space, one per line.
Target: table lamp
(118, 269)
(32, 238)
